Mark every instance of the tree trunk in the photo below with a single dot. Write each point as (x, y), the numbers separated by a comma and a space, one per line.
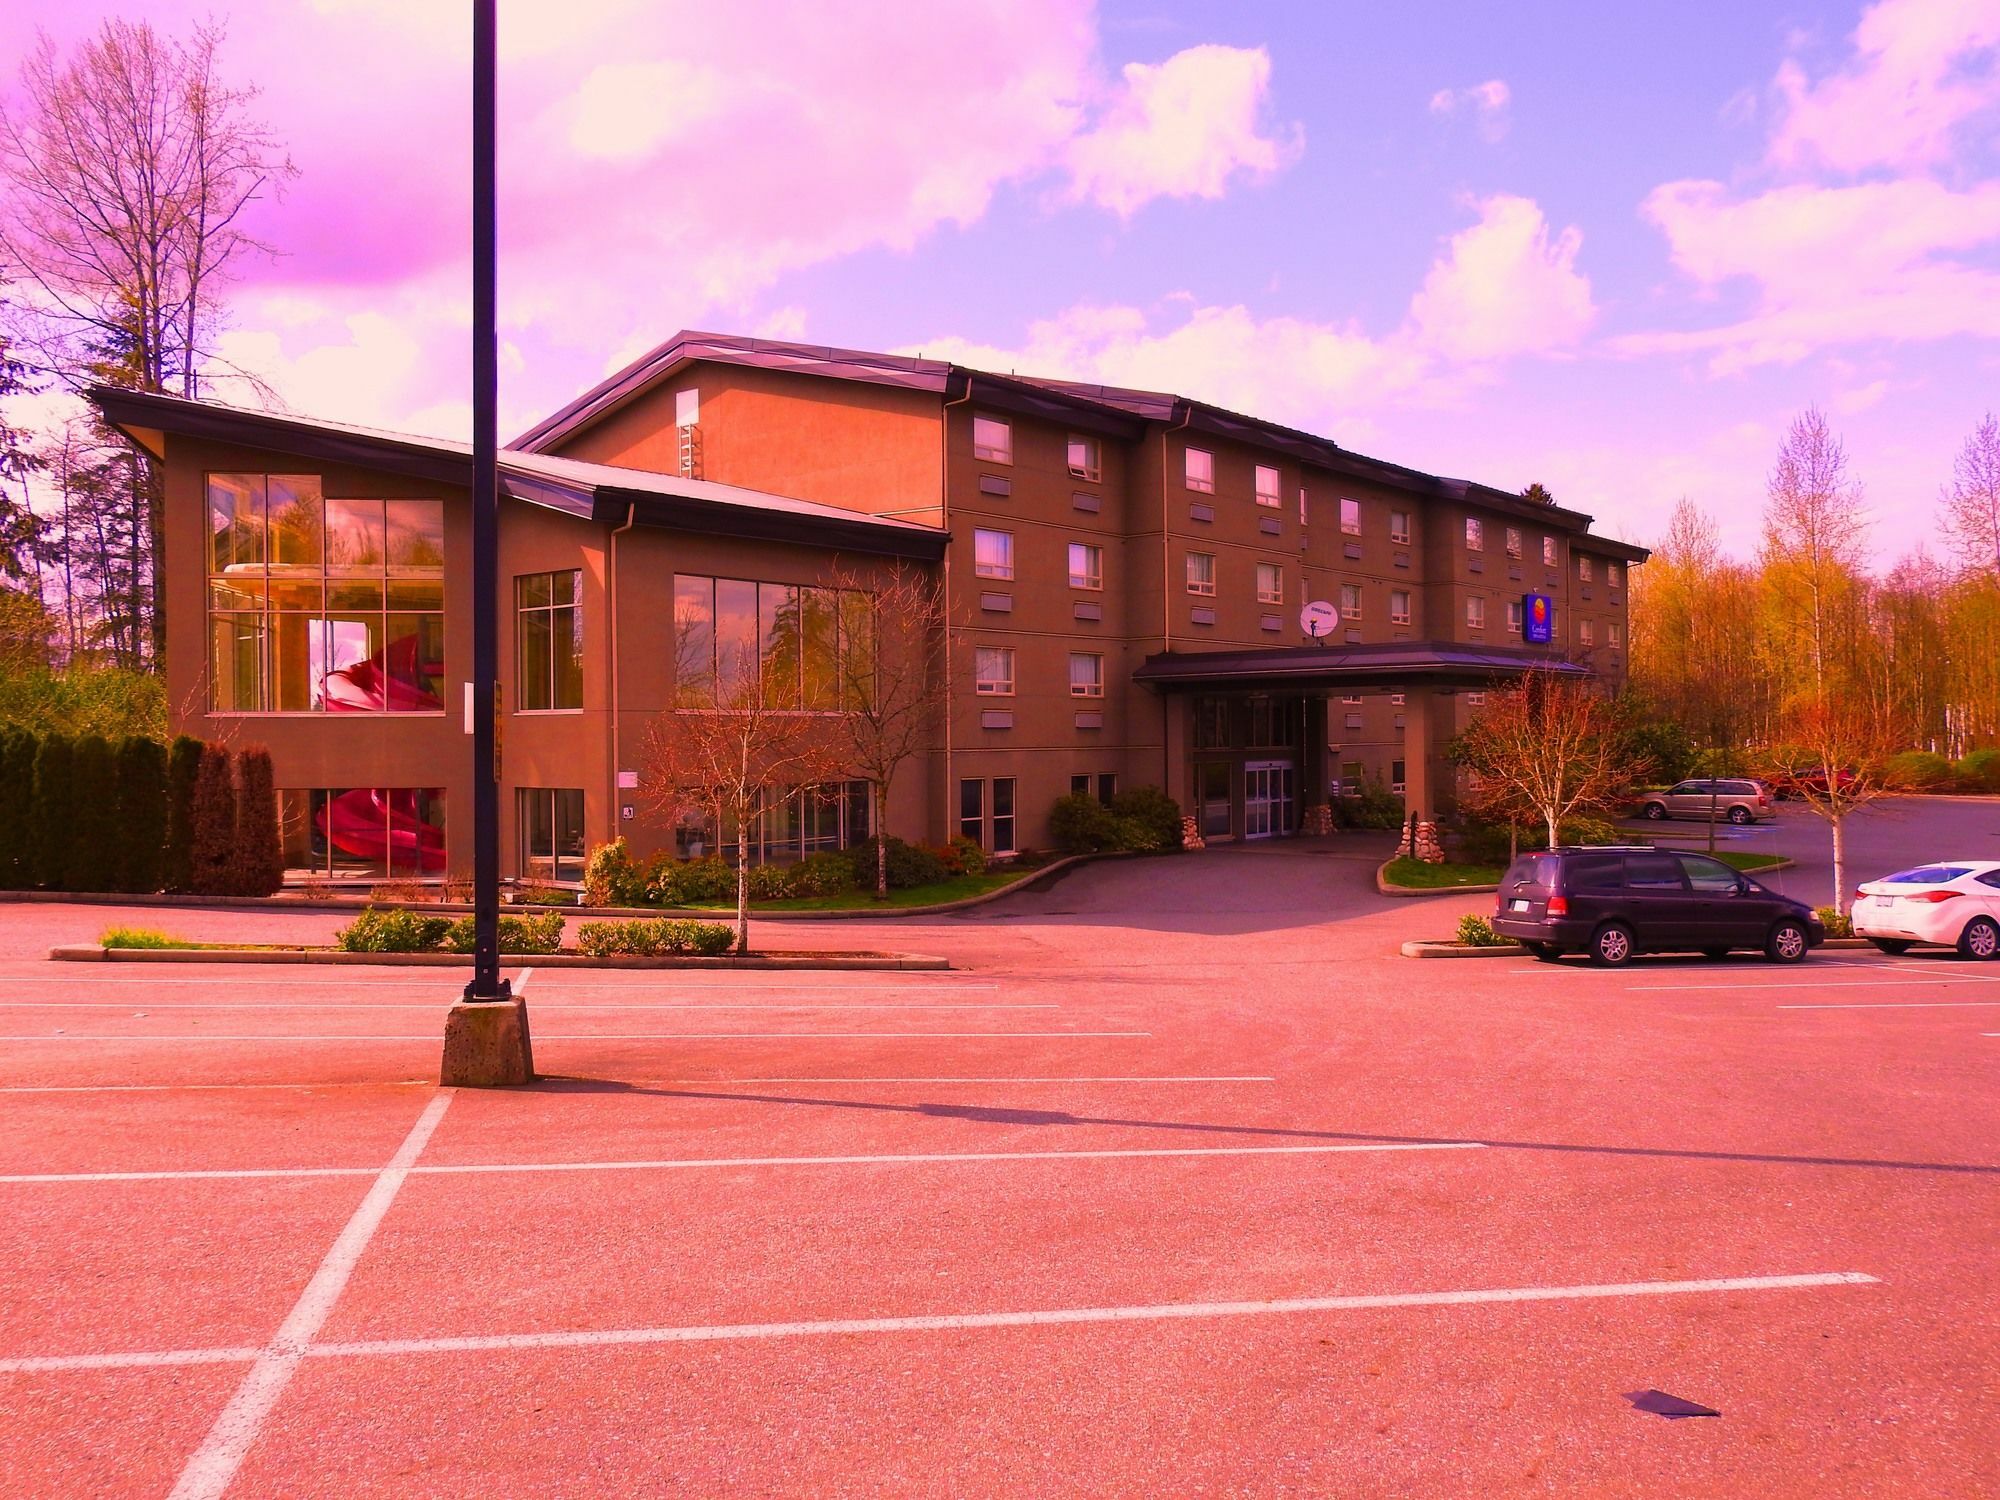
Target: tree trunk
(1550, 818)
(1838, 820)
(882, 841)
(742, 899)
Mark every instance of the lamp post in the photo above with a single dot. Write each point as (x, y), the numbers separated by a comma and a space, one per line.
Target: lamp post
(486, 1036)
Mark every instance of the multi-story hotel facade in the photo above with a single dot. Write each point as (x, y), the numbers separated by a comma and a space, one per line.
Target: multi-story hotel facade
(1127, 576)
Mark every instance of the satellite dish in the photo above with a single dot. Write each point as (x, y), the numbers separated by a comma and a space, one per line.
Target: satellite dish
(1317, 618)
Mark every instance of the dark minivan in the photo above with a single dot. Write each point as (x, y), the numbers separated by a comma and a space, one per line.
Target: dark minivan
(1614, 902)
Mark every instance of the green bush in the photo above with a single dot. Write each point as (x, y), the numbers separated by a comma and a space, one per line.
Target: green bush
(909, 865)
(1838, 924)
(394, 931)
(1080, 824)
(214, 854)
(537, 934)
(1584, 830)
(1979, 771)
(1493, 843)
(1918, 771)
(53, 813)
(771, 882)
(92, 863)
(610, 878)
(686, 882)
(141, 937)
(1154, 812)
(1476, 932)
(654, 937)
(968, 856)
(183, 768)
(17, 805)
(258, 868)
(1372, 806)
(823, 874)
(142, 813)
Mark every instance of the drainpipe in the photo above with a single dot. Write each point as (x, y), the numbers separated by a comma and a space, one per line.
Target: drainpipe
(611, 650)
(1167, 591)
(950, 789)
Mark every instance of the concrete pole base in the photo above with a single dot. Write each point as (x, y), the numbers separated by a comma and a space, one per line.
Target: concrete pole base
(486, 1045)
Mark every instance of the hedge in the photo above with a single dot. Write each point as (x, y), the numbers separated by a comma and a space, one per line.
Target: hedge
(142, 813)
(17, 803)
(397, 931)
(177, 859)
(94, 861)
(654, 937)
(50, 818)
(213, 857)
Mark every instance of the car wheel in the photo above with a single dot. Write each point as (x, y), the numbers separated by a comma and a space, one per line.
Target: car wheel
(1656, 811)
(1892, 945)
(1787, 943)
(1740, 815)
(1715, 953)
(1611, 945)
(1981, 938)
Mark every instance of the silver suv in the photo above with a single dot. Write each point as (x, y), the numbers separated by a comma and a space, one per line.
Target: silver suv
(1739, 801)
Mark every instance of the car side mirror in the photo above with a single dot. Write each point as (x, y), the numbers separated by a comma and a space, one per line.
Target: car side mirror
(1744, 888)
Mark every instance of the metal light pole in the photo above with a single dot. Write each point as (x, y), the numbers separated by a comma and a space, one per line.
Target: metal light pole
(486, 1036)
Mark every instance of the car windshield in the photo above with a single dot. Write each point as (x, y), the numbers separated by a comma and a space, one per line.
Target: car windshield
(1928, 875)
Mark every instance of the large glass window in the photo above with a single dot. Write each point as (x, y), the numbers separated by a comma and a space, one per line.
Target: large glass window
(551, 820)
(323, 605)
(728, 630)
(787, 825)
(548, 609)
(360, 833)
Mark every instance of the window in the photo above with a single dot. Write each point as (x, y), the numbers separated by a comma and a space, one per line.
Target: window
(789, 824)
(1086, 674)
(1350, 517)
(1513, 541)
(1583, 569)
(551, 823)
(1270, 583)
(1350, 698)
(1548, 552)
(1475, 614)
(1003, 816)
(1201, 573)
(1399, 527)
(993, 553)
(321, 605)
(1709, 876)
(1350, 601)
(1086, 459)
(1211, 723)
(1614, 634)
(1350, 775)
(1514, 618)
(1396, 782)
(1086, 566)
(995, 836)
(360, 833)
(1611, 574)
(734, 639)
(1267, 485)
(972, 811)
(1475, 700)
(1586, 632)
(1201, 470)
(687, 407)
(992, 439)
(1107, 786)
(1475, 534)
(1399, 606)
(1302, 505)
(993, 671)
(1399, 699)
(548, 650)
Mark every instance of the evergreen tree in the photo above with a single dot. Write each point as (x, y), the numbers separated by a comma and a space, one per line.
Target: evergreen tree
(94, 835)
(17, 801)
(142, 812)
(183, 767)
(260, 860)
(212, 851)
(50, 817)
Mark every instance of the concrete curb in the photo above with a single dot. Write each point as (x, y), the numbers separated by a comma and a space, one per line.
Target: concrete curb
(91, 953)
(1438, 949)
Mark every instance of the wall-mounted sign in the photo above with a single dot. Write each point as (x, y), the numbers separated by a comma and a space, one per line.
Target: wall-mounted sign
(1317, 618)
(1538, 619)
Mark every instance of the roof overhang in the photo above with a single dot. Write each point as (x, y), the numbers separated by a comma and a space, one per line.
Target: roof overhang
(1448, 664)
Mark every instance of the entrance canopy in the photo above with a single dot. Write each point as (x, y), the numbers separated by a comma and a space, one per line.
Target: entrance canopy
(1386, 665)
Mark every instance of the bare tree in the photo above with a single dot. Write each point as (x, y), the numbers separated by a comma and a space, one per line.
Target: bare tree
(1971, 502)
(1833, 760)
(719, 762)
(1815, 543)
(129, 168)
(1552, 746)
(892, 689)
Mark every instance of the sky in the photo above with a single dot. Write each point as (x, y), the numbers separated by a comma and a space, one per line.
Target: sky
(1610, 248)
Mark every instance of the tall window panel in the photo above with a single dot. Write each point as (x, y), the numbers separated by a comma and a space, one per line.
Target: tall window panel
(360, 833)
(322, 605)
(805, 648)
(548, 614)
(551, 824)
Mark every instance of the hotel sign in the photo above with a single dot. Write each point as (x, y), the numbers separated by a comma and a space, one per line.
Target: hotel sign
(1538, 618)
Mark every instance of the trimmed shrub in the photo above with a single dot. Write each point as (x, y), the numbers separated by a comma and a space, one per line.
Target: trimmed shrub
(1372, 805)
(142, 813)
(909, 865)
(823, 874)
(378, 931)
(654, 937)
(1581, 830)
(214, 847)
(51, 816)
(1154, 811)
(1838, 924)
(260, 857)
(1979, 771)
(770, 883)
(971, 858)
(93, 861)
(1080, 824)
(1918, 771)
(610, 878)
(537, 934)
(17, 809)
(1476, 932)
(684, 882)
(183, 768)
(1492, 843)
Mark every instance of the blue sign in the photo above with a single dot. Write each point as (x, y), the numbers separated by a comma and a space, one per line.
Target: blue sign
(1538, 619)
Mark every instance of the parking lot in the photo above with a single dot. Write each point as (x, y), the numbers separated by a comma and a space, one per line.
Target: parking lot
(1180, 1183)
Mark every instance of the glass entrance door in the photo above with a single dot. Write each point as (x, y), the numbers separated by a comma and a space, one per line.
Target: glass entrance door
(1212, 788)
(1267, 798)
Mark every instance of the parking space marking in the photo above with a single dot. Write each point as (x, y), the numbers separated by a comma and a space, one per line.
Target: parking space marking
(175, 1088)
(1830, 984)
(1160, 1078)
(909, 1158)
(540, 1005)
(1158, 1312)
(1892, 1005)
(215, 1462)
(590, 1036)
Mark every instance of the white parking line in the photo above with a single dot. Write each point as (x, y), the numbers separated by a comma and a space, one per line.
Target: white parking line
(176, 1088)
(541, 1006)
(1893, 1005)
(1828, 984)
(586, 1036)
(1159, 1078)
(914, 1158)
(214, 1464)
(1158, 1312)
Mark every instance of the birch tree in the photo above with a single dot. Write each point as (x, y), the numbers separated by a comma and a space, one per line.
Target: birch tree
(1551, 746)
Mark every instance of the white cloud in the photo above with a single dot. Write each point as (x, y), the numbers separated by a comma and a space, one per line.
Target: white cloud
(1920, 70)
(1505, 287)
(626, 111)
(1486, 103)
(1183, 128)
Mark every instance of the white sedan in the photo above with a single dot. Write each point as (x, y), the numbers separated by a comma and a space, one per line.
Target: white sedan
(1954, 902)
